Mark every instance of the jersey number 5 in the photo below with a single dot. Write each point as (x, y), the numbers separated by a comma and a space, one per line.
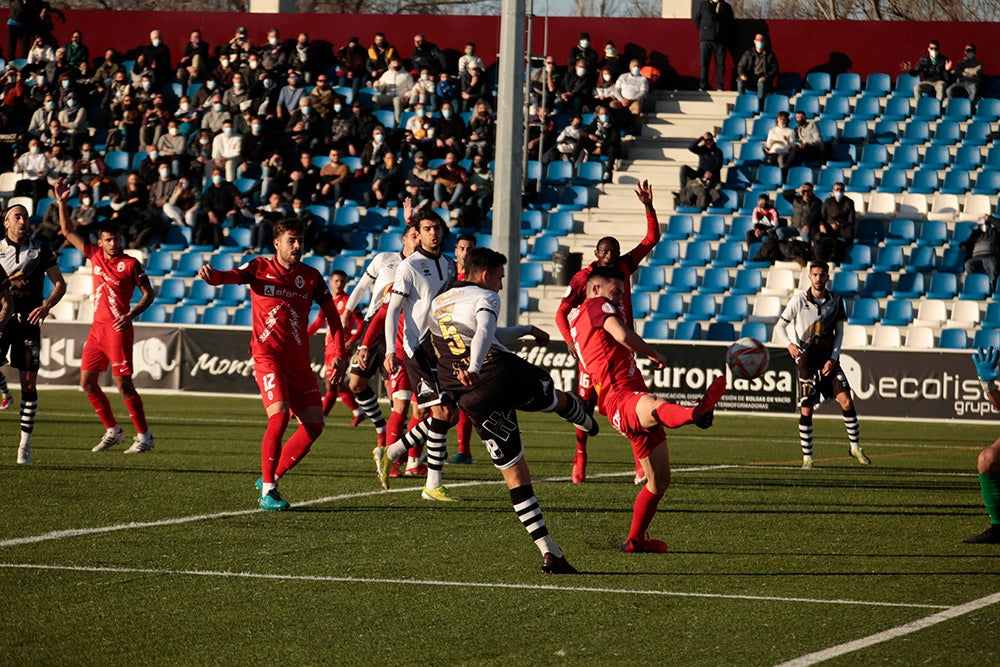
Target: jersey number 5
(450, 334)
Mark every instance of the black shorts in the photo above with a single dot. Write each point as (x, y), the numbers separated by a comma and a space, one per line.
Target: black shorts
(421, 369)
(814, 387)
(507, 384)
(376, 355)
(20, 345)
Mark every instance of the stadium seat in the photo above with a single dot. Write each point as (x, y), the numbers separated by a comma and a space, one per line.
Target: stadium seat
(215, 316)
(925, 181)
(959, 109)
(906, 85)
(976, 136)
(922, 259)
(848, 84)
(919, 338)
(233, 295)
(747, 106)
(986, 338)
(862, 180)
(543, 247)
(845, 284)
(904, 157)
(900, 232)
(178, 238)
(740, 177)
(715, 281)
(711, 228)
(559, 223)
(927, 109)
(944, 207)
(117, 162)
(964, 314)
(221, 261)
(766, 309)
(874, 156)
(774, 103)
(721, 331)
(807, 104)
(160, 263)
(641, 305)
(760, 128)
(729, 255)
(679, 227)
(893, 181)
(912, 205)
(886, 337)
(936, 158)
(855, 337)
(669, 306)
(523, 301)
(649, 279)
(656, 330)
(697, 253)
(855, 132)
(683, 279)
(837, 108)
(171, 291)
(188, 265)
(828, 177)
(747, 282)
(956, 182)
(200, 294)
(898, 313)
(779, 282)
(867, 108)
(888, 258)
(842, 156)
(864, 312)
(531, 222)
(988, 110)
(817, 83)
(592, 173)
(734, 129)
(243, 317)
(877, 285)
(877, 85)
(666, 253)
(975, 287)
(943, 286)
(987, 183)
(318, 262)
(947, 133)
(701, 308)
(734, 308)
(797, 176)
(869, 231)
(750, 154)
(789, 83)
(755, 330)
(155, 314)
(887, 132)
(687, 331)
(931, 313)
(975, 207)
(952, 261)
(954, 339)
(184, 315)
(860, 208)
(882, 205)
(858, 258)
(237, 238)
(532, 274)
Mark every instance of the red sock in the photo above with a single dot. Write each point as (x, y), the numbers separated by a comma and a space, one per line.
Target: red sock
(348, 399)
(102, 406)
(298, 446)
(136, 413)
(672, 415)
(581, 443)
(270, 446)
(642, 513)
(329, 398)
(414, 452)
(464, 431)
(394, 427)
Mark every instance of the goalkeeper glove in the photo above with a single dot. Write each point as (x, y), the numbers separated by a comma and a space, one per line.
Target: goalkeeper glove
(986, 361)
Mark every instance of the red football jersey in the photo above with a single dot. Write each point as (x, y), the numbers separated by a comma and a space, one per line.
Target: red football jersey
(115, 280)
(610, 364)
(280, 302)
(354, 321)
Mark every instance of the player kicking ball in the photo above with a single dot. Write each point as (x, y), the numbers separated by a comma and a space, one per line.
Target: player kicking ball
(111, 336)
(605, 347)
(282, 290)
(490, 384)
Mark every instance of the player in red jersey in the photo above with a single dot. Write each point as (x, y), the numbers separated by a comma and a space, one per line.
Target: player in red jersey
(282, 290)
(605, 346)
(116, 275)
(463, 429)
(608, 254)
(351, 321)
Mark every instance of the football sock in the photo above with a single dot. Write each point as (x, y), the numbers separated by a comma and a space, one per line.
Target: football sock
(672, 415)
(575, 412)
(643, 512)
(329, 399)
(853, 428)
(298, 446)
(412, 440)
(464, 432)
(3, 384)
(368, 402)
(348, 400)
(530, 515)
(581, 443)
(29, 406)
(806, 434)
(102, 406)
(437, 449)
(136, 413)
(393, 427)
(989, 484)
(270, 445)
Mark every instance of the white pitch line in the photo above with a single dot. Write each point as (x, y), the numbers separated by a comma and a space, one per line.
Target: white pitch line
(455, 584)
(78, 532)
(893, 633)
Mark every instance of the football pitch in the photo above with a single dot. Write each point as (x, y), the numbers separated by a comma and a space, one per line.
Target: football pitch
(162, 558)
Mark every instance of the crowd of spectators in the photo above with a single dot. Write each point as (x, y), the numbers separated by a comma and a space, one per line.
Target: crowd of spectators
(224, 128)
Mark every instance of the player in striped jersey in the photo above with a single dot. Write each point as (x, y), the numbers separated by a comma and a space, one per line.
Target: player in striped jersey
(490, 384)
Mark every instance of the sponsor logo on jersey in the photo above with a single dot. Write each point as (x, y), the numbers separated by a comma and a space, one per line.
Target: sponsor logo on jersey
(300, 282)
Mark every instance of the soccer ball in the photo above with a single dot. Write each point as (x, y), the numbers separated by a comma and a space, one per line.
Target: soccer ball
(747, 358)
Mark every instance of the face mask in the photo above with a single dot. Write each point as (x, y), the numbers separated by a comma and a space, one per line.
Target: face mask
(306, 111)
(933, 53)
(216, 179)
(446, 113)
(969, 53)
(85, 155)
(549, 67)
(71, 103)
(216, 107)
(273, 41)
(424, 77)
(635, 71)
(203, 141)
(145, 85)
(210, 85)
(584, 43)
(607, 77)
(156, 42)
(420, 113)
(238, 85)
(580, 71)
(378, 138)
(65, 83)
(224, 63)
(184, 107)
(338, 108)
(759, 45)
(85, 201)
(196, 40)
(297, 209)
(468, 52)
(164, 173)
(610, 52)
(228, 131)
(40, 80)
(255, 127)
(253, 64)
(49, 106)
(33, 150)
(153, 155)
(603, 117)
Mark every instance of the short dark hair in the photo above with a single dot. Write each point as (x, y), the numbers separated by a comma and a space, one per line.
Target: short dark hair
(783, 114)
(483, 259)
(471, 238)
(108, 227)
(284, 225)
(819, 265)
(339, 272)
(605, 273)
(934, 43)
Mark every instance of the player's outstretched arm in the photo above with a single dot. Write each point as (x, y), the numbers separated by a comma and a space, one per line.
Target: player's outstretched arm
(216, 277)
(61, 191)
(987, 361)
(632, 341)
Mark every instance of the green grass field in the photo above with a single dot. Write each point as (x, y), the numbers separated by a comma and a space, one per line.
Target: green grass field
(161, 558)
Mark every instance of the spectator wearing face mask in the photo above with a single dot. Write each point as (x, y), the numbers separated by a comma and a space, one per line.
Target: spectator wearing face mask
(473, 86)
(426, 55)
(469, 56)
(982, 250)
(631, 90)
(182, 207)
(604, 140)
(217, 114)
(193, 66)
(836, 231)
(576, 90)
(303, 58)
(424, 91)
(612, 59)
(156, 57)
(544, 81)
(273, 55)
(934, 69)
(237, 94)
(288, 98)
(353, 58)
(379, 55)
(42, 116)
(757, 68)
(172, 146)
(393, 88)
(582, 51)
(449, 131)
(968, 76)
(226, 150)
(33, 165)
(371, 154)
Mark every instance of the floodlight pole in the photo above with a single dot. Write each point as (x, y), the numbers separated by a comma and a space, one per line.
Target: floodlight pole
(509, 173)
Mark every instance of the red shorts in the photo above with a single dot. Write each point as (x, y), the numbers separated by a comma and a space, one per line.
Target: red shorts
(584, 385)
(328, 359)
(106, 346)
(619, 407)
(399, 385)
(293, 383)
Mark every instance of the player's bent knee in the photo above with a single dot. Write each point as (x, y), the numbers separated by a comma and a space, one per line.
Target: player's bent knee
(313, 429)
(989, 460)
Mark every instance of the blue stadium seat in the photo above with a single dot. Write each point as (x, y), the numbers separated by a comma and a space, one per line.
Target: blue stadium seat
(155, 314)
(726, 147)
(592, 173)
(888, 258)
(178, 238)
(738, 227)
(893, 180)
(750, 154)
(925, 182)
(729, 254)
(683, 279)
(768, 179)
(747, 106)
(954, 339)
(649, 279)
(318, 262)
(877, 85)
(986, 338)
(898, 313)
(933, 233)
(747, 282)
(865, 312)
(968, 157)
(721, 331)
(788, 83)
(797, 176)
(756, 330)
(869, 231)
(848, 84)
(991, 319)
(740, 176)
(845, 283)
(200, 294)
(875, 156)
(842, 156)
(160, 263)
(666, 253)
(346, 264)
(928, 108)
(656, 330)
(956, 183)
(947, 132)
(233, 295)
(862, 180)
(532, 274)
(867, 108)
(936, 157)
(116, 162)
(917, 133)
(975, 287)
(896, 109)
(886, 132)
(817, 83)
(958, 109)
(988, 110)
(807, 104)
(976, 134)
(906, 85)
(993, 158)
(760, 128)
(828, 177)
(573, 198)
(558, 173)
(184, 315)
(697, 253)
(904, 157)
(688, 331)
(669, 306)
(222, 261)
(188, 265)
(69, 259)
(837, 107)
(734, 308)
(385, 117)
(901, 232)
(877, 285)
(701, 308)
(711, 228)
(215, 315)
(774, 103)
(523, 300)
(858, 258)
(733, 129)
(943, 286)
(726, 203)
(715, 281)
(238, 238)
(641, 305)
(242, 317)
(987, 182)
(345, 217)
(854, 132)
(679, 227)
(952, 262)
(531, 222)
(559, 223)
(909, 286)
(922, 259)
(171, 290)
